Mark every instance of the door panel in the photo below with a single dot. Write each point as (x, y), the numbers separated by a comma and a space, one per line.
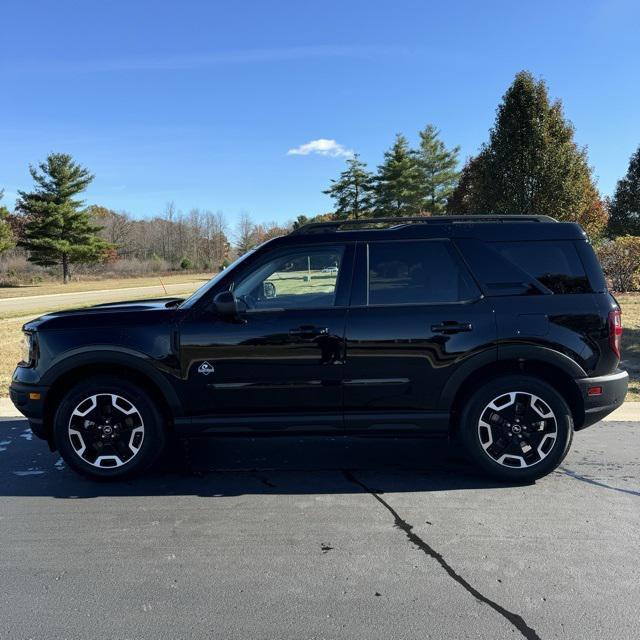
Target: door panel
(284, 354)
(404, 345)
(287, 361)
(399, 358)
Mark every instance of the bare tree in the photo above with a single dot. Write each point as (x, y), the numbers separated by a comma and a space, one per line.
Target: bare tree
(116, 227)
(269, 230)
(168, 240)
(245, 234)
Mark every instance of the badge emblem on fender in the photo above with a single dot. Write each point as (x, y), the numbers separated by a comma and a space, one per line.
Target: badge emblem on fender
(205, 369)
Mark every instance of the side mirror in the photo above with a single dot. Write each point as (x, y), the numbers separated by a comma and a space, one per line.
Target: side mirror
(269, 289)
(226, 305)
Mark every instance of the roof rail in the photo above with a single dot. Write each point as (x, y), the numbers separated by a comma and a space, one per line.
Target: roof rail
(398, 223)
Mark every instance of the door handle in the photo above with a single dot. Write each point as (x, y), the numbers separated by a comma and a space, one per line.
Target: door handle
(308, 332)
(451, 326)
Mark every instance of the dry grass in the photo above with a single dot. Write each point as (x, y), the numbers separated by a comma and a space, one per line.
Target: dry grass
(10, 336)
(97, 285)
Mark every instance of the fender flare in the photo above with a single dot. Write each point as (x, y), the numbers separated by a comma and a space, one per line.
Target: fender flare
(472, 364)
(514, 352)
(542, 354)
(101, 355)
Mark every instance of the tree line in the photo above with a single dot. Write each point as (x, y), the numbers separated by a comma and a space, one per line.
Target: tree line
(530, 164)
(56, 229)
(409, 182)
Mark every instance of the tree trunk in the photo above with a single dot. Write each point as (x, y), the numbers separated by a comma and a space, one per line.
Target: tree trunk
(66, 276)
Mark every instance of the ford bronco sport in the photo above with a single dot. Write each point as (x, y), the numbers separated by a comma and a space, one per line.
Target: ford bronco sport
(497, 332)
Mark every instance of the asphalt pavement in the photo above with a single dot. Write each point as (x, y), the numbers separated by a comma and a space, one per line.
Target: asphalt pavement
(321, 538)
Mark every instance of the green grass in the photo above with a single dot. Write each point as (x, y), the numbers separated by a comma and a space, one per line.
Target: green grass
(292, 282)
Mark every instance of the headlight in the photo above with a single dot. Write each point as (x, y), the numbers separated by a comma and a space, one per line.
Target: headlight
(27, 349)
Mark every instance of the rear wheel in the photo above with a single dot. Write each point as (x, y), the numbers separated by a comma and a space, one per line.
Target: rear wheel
(108, 428)
(517, 428)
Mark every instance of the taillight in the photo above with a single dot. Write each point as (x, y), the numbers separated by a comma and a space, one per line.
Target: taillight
(615, 331)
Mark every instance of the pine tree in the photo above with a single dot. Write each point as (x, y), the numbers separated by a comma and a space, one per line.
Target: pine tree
(58, 230)
(624, 211)
(531, 164)
(352, 191)
(6, 236)
(439, 170)
(397, 184)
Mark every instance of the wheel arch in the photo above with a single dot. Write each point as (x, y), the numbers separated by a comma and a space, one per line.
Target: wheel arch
(553, 374)
(72, 370)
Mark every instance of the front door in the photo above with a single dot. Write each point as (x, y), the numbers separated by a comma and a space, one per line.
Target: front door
(416, 317)
(279, 365)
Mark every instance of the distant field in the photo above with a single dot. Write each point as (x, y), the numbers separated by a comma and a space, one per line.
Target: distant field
(290, 282)
(47, 288)
(10, 340)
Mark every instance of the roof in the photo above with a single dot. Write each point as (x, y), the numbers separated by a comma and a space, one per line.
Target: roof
(485, 227)
(397, 222)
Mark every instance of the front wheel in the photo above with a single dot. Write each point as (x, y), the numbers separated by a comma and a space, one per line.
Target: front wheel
(517, 428)
(108, 428)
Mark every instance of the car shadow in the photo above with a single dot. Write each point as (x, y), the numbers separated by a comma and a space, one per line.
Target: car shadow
(217, 467)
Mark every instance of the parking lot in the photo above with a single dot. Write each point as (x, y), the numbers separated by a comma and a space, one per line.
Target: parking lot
(340, 538)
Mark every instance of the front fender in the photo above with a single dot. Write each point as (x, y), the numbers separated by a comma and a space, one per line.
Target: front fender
(115, 356)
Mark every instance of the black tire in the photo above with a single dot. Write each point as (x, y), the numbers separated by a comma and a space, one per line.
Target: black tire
(138, 433)
(541, 448)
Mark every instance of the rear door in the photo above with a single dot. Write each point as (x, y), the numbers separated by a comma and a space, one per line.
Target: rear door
(416, 317)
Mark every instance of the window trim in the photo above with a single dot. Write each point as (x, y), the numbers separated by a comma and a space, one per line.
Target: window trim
(451, 249)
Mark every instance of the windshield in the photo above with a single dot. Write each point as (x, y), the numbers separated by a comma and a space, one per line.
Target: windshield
(201, 291)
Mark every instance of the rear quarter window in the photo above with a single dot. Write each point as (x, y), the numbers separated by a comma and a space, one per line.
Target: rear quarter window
(555, 264)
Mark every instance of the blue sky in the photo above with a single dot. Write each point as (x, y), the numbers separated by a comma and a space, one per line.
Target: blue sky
(200, 102)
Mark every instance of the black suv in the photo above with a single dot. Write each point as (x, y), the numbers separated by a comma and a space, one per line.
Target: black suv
(497, 332)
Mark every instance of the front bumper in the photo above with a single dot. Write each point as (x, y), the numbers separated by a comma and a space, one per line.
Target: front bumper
(614, 389)
(29, 400)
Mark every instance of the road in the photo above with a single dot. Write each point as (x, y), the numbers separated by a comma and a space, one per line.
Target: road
(339, 538)
(55, 301)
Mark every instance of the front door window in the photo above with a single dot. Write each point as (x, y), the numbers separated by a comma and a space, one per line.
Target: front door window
(295, 280)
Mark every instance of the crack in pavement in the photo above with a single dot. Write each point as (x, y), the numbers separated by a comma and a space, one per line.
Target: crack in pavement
(604, 485)
(516, 620)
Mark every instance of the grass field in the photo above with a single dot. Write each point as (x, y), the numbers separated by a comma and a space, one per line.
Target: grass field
(10, 336)
(48, 288)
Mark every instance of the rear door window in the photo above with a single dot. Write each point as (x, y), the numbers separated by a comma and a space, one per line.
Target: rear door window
(424, 272)
(555, 264)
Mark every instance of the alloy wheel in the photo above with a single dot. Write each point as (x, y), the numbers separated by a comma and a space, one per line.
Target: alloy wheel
(517, 429)
(106, 430)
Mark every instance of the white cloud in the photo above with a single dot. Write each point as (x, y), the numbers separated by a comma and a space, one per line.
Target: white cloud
(323, 147)
(209, 59)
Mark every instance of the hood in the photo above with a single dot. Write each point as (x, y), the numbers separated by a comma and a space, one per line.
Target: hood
(105, 313)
